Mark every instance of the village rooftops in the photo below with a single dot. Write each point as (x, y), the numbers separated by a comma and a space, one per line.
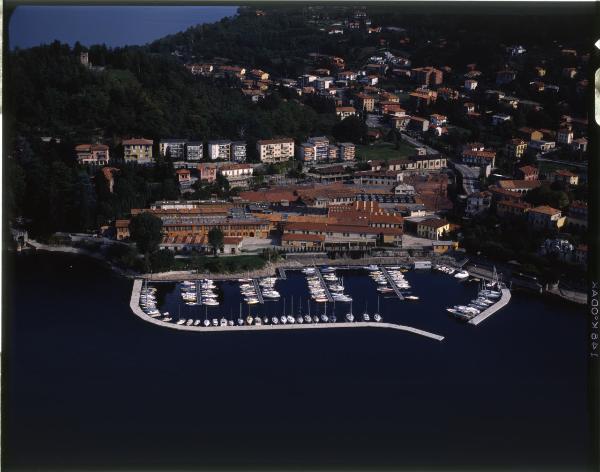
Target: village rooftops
(262, 142)
(546, 210)
(519, 184)
(138, 142)
(434, 223)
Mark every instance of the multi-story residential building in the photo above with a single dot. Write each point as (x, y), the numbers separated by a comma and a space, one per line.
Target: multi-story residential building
(542, 146)
(527, 173)
(345, 112)
(92, 154)
(421, 98)
(427, 75)
(478, 203)
(545, 217)
(417, 124)
(479, 158)
(519, 186)
(175, 148)
(307, 152)
(323, 83)
(219, 149)
(417, 162)
(138, 150)
(432, 228)
(184, 177)
(564, 136)
(208, 172)
(365, 102)
(238, 175)
(438, 120)
(275, 150)
(515, 148)
(511, 209)
(321, 144)
(388, 178)
(238, 151)
(334, 153)
(347, 151)
(194, 151)
(564, 176)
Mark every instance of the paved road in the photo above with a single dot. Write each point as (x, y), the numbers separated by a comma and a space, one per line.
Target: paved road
(470, 178)
(417, 143)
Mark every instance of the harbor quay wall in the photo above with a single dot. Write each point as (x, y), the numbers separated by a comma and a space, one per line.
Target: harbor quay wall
(137, 310)
(485, 314)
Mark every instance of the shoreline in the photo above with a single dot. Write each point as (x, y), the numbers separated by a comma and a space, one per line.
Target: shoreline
(271, 269)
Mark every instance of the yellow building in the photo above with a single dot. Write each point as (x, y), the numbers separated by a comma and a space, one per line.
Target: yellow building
(275, 150)
(138, 150)
(432, 228)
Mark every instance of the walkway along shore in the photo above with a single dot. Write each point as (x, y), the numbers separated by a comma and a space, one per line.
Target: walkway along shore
(135, 307)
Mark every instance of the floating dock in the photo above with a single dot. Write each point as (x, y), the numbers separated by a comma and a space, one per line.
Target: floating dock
(137, 310)
(325, 286)
(485, 314)
(392, 282)
(282, 274)
(258, 290)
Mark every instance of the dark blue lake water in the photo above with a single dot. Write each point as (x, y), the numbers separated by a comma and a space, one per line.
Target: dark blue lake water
(90, 385)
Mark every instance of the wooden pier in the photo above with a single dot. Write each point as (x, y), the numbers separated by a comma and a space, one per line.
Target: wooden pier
(485, 314)
(392, 282)
(324, 285)
(258, 290)
(137, 310)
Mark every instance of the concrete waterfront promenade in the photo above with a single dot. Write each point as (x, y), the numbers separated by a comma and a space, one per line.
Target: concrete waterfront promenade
(485, 314)
(135, 307)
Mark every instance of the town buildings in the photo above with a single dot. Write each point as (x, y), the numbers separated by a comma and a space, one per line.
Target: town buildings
(92, 154)
(275, 150)
(138, 150)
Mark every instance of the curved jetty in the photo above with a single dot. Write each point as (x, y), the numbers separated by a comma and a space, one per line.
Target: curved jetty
(135, 307)
(504, 299)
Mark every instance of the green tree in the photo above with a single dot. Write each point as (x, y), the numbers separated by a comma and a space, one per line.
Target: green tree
(215, 239)
(145, 230)
(162, 260)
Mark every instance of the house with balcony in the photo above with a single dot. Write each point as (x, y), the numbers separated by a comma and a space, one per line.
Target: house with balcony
(275, 150)
(92, 154)
(138, 150)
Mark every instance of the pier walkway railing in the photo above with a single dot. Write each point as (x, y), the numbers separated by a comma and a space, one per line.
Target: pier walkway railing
(137, 310)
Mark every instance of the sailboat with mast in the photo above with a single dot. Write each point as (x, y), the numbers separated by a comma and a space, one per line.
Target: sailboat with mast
(377, 316)
(365, 315)
(350, 316)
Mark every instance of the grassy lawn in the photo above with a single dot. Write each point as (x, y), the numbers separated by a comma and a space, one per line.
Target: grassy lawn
(220, 264)
(383, 151)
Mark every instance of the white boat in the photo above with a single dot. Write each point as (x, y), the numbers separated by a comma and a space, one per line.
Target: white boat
(350, 317)
(463, 274)
(257, 321)
(366, 316)
(196, 322)
(230, 323)
(211, 302)
(265, 320)
(315, 319)
(291, 319)
(275, 320)
(372, 267)
(240, 321)
(206, 323)
(307, 318)
(299, 320)
(168, 318)
(180, 322)
(215, 322)
(411, 297)
(249, 320)
(377, 317)
(283, 319)
(324, 318)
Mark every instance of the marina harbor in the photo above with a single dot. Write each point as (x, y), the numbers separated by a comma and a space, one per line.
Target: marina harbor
(325, 299)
